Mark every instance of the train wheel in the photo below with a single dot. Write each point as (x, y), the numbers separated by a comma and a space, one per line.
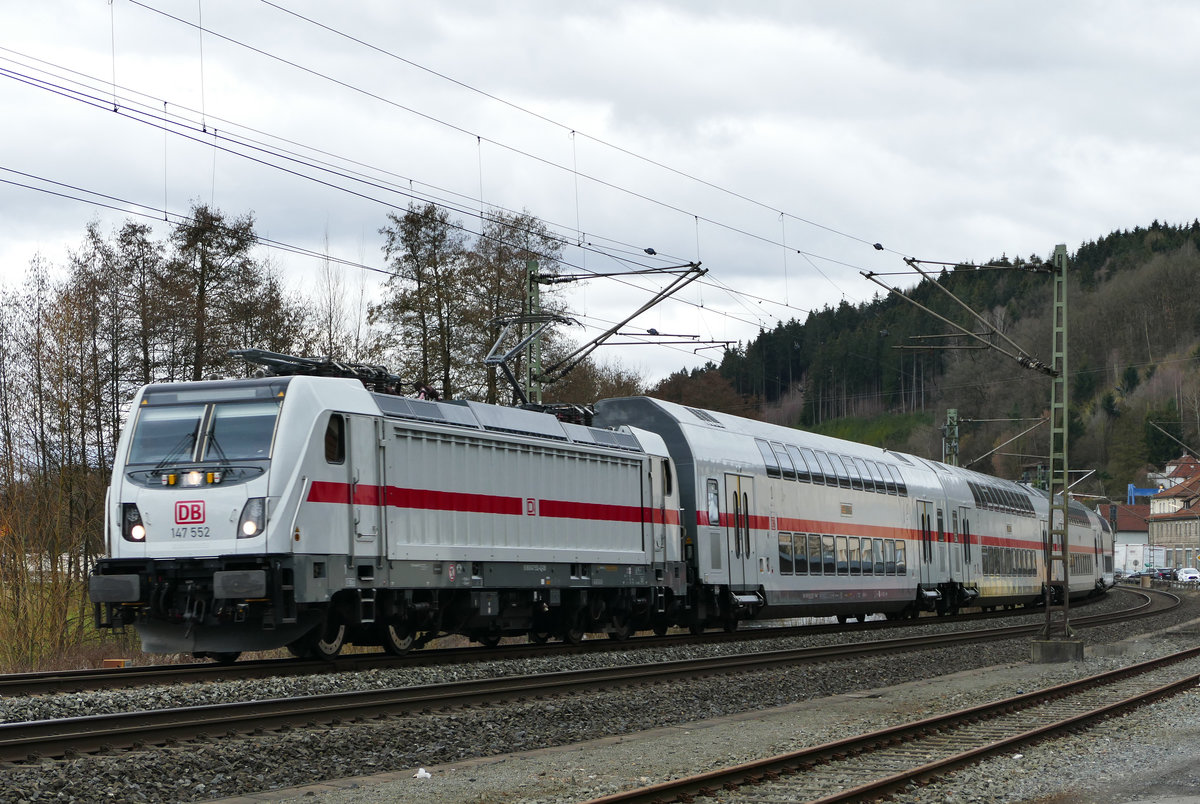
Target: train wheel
(330, 638)
(323, 642)
(396, 639)
(660, 627)
(488, 640)
(621, 628)
(573, 631)
(538, 637)
(225, 657)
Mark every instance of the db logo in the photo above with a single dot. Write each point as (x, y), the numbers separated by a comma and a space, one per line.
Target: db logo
(189, 513)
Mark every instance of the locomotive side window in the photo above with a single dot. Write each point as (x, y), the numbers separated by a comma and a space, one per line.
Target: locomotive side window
(853, 556)
(335, 439)
(901, 488)
(879, 561)
(801, 554)
(814, 554)
(714, 503)
(802, 473)
(768, 455)
(667, 480)
(785, 553)
(901, 567)
(868, 558)
(889, 556)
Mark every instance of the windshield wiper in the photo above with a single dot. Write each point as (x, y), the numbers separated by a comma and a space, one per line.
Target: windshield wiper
(185, 444)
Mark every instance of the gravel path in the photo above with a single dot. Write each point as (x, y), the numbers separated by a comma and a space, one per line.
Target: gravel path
(693, 726)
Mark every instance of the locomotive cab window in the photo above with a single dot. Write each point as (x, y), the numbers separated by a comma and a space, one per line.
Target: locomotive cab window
(217, 431)
(335, 439)
(667, 480)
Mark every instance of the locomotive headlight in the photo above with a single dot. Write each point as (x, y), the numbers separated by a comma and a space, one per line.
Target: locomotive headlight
(193, 479)
(254, 517)
(132, 529)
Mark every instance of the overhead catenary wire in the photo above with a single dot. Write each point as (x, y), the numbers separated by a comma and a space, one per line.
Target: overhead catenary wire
(524, 153)
(734, 293)
(181, 127)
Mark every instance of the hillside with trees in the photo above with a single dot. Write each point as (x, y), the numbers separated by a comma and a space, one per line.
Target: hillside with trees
(881, 372)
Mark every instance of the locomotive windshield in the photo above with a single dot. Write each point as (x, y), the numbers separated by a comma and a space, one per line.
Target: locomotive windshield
(220, 431)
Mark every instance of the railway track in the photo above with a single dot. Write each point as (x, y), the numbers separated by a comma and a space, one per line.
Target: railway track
(49, 682)
(23, 741)
(875, 765)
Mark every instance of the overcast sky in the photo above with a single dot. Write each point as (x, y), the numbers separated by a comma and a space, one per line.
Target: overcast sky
(774, 142)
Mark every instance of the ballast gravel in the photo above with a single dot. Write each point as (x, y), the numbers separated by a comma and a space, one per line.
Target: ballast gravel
(580, 747)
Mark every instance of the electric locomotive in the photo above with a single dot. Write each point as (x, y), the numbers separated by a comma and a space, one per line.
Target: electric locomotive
(307, 511)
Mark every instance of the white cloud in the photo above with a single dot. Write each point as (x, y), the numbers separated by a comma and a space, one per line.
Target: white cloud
(947, 131)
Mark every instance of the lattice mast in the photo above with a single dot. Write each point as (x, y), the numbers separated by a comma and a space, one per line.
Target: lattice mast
(1057, 544)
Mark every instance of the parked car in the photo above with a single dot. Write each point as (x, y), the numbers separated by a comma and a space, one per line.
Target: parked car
(1187, 574)
(1133, 577)
(1165, 574)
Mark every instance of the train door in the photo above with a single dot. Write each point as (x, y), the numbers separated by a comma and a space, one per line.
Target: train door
(661, 487)
(925, 526)
(966, 552)
(739, 491)
(952, 550)
(940, 546)
(366, 494)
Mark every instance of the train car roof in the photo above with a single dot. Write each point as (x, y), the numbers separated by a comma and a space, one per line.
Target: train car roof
(333, 392)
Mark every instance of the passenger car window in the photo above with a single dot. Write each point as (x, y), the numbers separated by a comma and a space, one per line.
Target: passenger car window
(802, 473)
(785, 461)
(785, 553)
(768, 455)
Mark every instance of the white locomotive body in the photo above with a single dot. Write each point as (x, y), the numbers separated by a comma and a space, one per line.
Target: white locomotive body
(302, 511)
(308, 511)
